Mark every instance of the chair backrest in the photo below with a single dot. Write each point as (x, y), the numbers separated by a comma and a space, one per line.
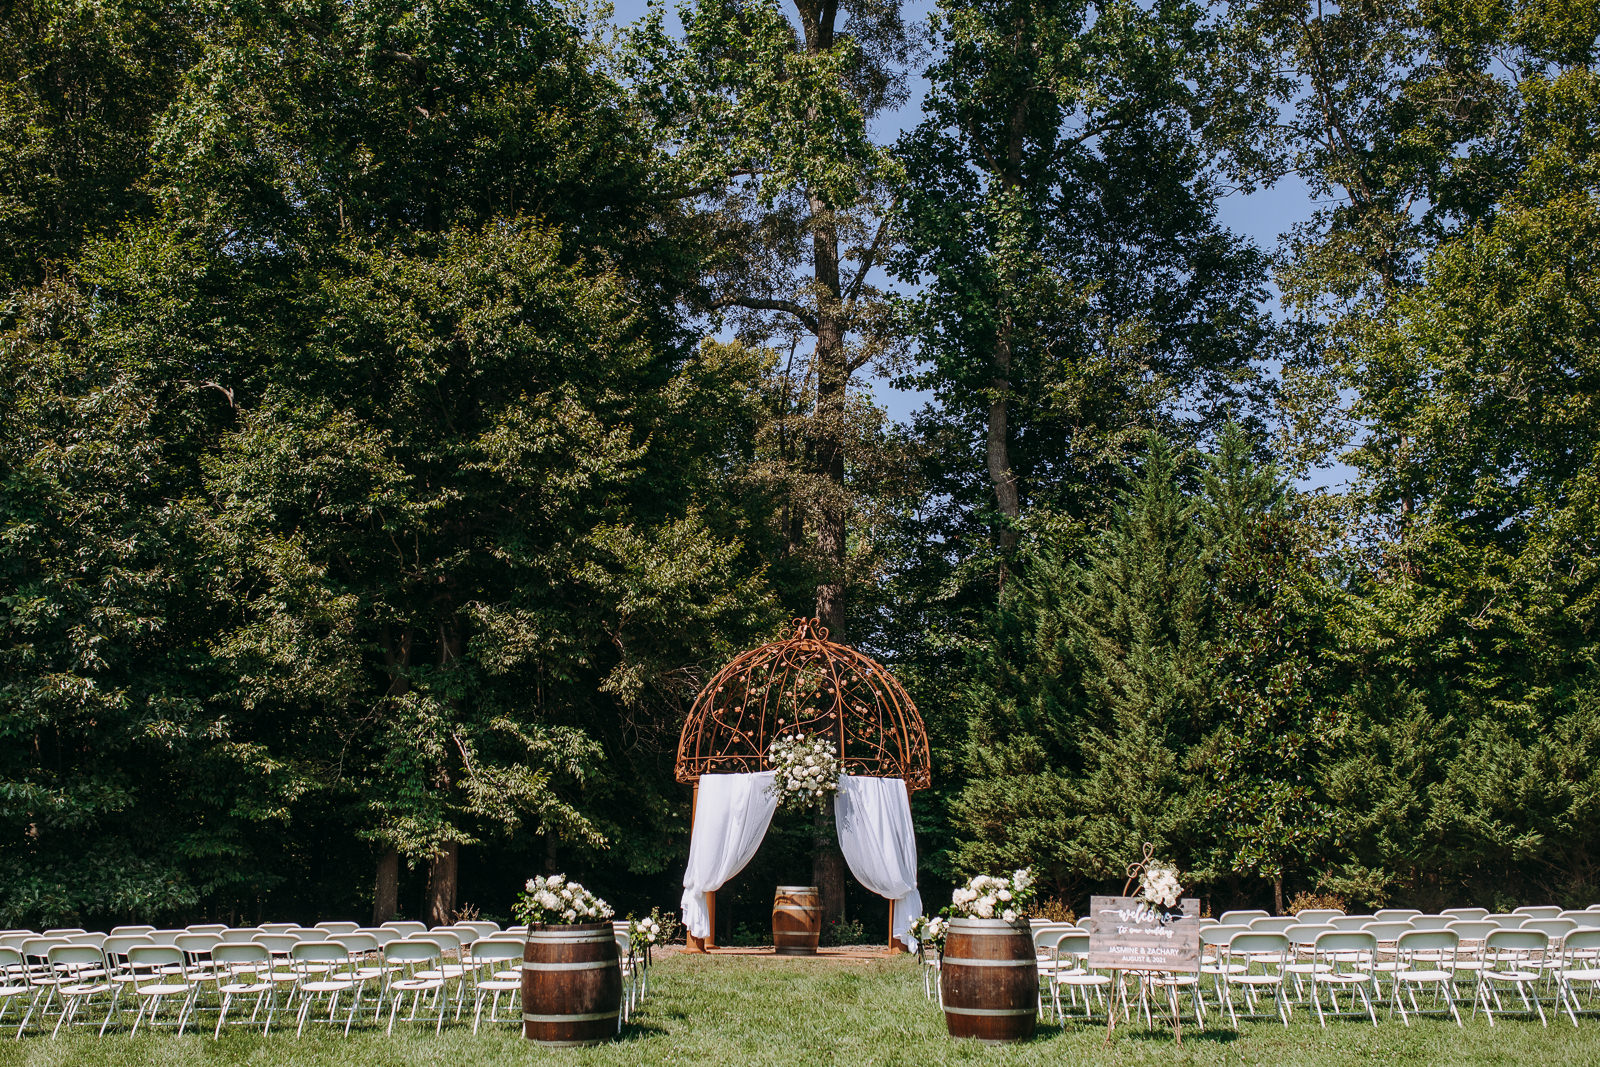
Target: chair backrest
(406, 927)
(1338, 945)
(119, 931)
(1585, 943)
(278, 928)
(1587, 920)
(241, 952)
(1432, 922)
(1466, 913)
(412, 950)
(206, 928)
(16, 941)
(497, 948)
(1385, 932)
(166, 937)
(308, 933)
(148, 958)
(1395, 914)
(1554, 929)
(1086, 921)
(38, 948)
(1241, 917)
(9, 958)
(449, 940)
(1044, 935)
(309, 952)
(70, 955)
(1517, 941)
(1508, 922)
(1272, 924)
(1474, 929)
(478, 929)
(1538, 911)
(1318, 915)
(115, 950)
(1351, 922)
(63, 931)
(241, 934)
(1438, 944)
(87, 939)
(1259, 944)
(198, 944)
(1221, 934)
(276, 944)
(380, 934)
(357, 942)
(1592, 907)
(338, 927)
(1304, 933)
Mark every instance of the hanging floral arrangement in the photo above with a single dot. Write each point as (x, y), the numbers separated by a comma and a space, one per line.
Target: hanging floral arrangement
(807, 770)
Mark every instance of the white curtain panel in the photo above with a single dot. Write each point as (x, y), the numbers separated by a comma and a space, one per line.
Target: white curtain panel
(874, 820)
(731, 817)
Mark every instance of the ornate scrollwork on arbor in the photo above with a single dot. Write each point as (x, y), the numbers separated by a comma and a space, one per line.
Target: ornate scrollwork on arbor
(807, 684)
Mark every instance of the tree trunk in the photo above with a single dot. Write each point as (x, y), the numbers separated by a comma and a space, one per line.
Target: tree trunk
(999, 438)
(827, 451)
(386, 888)
(441, 909)
(1277, 895)
(827, 866)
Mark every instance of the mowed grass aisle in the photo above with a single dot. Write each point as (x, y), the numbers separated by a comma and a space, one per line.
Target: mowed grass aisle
(751, 1010)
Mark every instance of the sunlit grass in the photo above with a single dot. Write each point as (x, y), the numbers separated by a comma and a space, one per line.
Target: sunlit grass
(752, 1010)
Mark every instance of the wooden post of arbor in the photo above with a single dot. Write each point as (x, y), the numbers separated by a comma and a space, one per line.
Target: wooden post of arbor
(692, 943)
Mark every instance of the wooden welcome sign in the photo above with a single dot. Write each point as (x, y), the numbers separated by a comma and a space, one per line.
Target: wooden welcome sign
(1127, 934)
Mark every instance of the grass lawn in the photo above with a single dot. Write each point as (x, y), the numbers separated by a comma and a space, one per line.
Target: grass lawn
(753, 1010)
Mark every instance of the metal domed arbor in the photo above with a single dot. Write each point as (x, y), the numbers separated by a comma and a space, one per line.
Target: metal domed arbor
(806, 684)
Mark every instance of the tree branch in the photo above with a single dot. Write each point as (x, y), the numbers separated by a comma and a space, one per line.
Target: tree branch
(758, 303)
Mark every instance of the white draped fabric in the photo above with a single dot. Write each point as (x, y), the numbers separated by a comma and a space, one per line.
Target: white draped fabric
(732, 813)
(873, 816)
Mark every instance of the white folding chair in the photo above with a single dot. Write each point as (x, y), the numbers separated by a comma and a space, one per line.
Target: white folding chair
(1426, 958)
(1343, 959)
(1069, 969)
(504, 979)
(322, 969)
(1254, 962)
(159, 972)
(1512, 958)
(243, 970)
(83, 973)
(1580, 966)
(416, 970)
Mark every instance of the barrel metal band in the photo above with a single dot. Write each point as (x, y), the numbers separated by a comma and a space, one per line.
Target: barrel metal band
(965, 962)
(599, 936)
(586, 965)
(593, 1016)
(802, 909)
(989, 1011)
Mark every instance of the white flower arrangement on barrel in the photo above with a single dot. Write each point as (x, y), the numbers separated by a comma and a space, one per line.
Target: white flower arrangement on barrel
(988, 897)
(807, 770)
(554, 901)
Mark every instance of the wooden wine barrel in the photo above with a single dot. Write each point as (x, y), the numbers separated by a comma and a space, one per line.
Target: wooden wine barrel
(571, 984)
(989, 980)
(796, 920)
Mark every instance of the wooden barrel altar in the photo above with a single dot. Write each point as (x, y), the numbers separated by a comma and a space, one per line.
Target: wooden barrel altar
(796, 920)
(571, 984)
(989, 980)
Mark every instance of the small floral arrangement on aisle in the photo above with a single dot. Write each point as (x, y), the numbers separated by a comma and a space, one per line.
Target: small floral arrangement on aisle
(554, 901)
(929, 931)
(807, 770)
(987, 897)
(1159, 886)
(644, 933)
